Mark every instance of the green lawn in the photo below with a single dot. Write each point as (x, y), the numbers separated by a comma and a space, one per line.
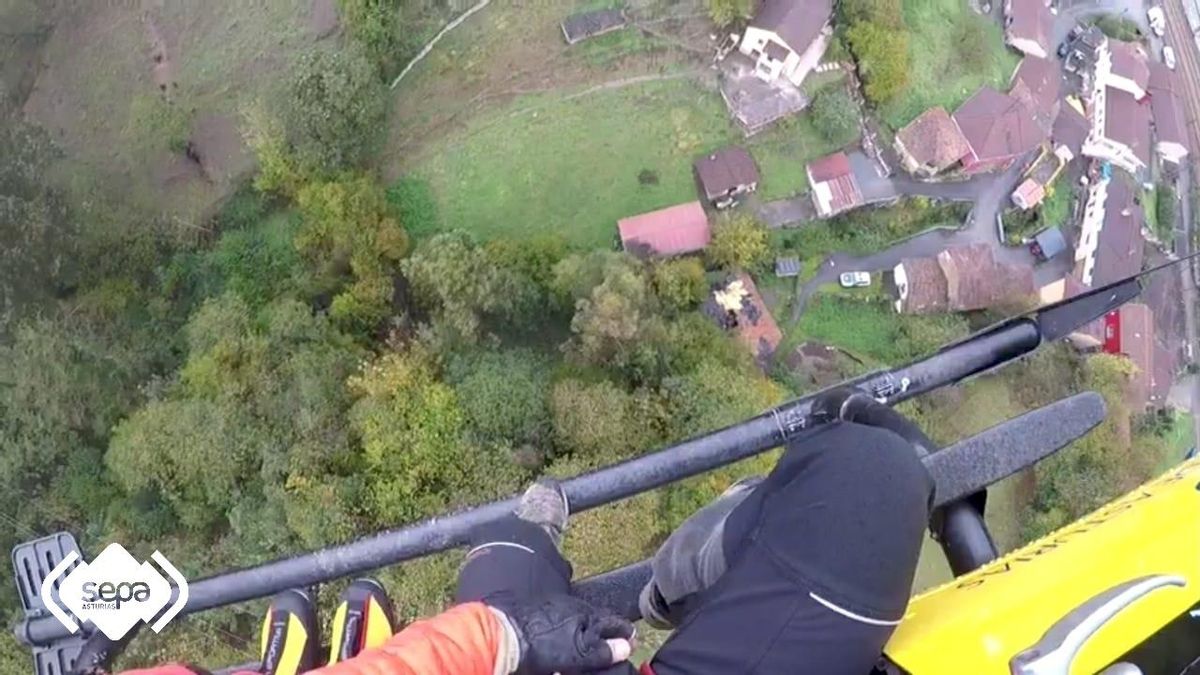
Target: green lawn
(871, 330)
(954, 51)
(573, 167)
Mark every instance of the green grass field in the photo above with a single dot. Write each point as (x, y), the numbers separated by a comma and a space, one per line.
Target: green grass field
(575, 166)
(954, 51)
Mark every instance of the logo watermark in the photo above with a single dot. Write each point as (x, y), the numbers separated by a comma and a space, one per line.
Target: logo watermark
(114, 592)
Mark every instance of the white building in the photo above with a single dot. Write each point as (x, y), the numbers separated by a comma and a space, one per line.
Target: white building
(788, 38)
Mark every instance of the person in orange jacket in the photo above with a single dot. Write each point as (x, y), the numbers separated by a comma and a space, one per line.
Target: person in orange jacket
(806, 572)
(514, 615)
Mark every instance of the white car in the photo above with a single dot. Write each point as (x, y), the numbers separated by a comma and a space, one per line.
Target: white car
(1169, 56)
(855, 279)
(1158, 20)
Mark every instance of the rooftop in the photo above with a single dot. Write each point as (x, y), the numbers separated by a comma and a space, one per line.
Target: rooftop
(1129, 61)
(584, 25)
(933, 139)
(726, 169)
(1127, 121)
(1031, 20)
(1037, 83)
(796, 22)
(671, 231)
(833, 184)
(997, 126)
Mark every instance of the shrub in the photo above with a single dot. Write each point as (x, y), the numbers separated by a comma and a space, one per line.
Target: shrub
(883, 59)
(1164, 209)
(739, 241)
(336, 108)
(726, 12)
(1118, 27)
(835, 115)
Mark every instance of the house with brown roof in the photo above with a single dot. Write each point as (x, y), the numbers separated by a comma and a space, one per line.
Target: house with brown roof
(1124, 66)
(1110, 245)
(738, 306)
(726, 174)
(675, 230)
(786, 38)
(1170, 122)
(998, 129)
(1120, 130)
(931, 143)
(1028, 26)
(834, 187)
(1037, 83)
(1070, 130)
(959, 279)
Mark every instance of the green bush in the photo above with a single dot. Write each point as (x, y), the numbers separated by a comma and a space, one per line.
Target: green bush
(835, 115)
(726, 12)
(374, 24)
(1117, 27)
(883, 59)
(1164, 210)
(337, 108)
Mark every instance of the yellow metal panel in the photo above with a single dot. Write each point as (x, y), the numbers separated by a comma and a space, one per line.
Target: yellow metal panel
(978, 622)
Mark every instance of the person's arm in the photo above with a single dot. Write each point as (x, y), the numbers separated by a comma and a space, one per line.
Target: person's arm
(469, 639)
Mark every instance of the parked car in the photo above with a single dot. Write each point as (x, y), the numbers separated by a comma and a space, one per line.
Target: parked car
(1158, 20)
(1064, 48)
(855, 279)
(1169, 56)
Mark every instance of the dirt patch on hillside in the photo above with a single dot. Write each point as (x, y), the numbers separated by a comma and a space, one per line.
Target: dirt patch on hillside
(508, 51)
(105, 63)
(217, 145)
(323, 18)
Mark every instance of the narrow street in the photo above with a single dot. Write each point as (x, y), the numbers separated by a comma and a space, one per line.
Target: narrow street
(989, 192)
(1179, 34)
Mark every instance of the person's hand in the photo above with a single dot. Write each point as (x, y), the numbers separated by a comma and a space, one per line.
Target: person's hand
(854, 405)
(562, 634)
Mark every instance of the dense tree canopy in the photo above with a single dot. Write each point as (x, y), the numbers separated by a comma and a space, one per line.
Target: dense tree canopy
(739, 242)
(337, 107)
(883, 59)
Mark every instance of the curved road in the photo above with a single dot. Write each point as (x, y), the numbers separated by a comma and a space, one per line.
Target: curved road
(989, 192)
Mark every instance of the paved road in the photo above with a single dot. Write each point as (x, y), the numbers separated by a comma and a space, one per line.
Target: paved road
(1179, 34)
(990, 194)
(875, 189)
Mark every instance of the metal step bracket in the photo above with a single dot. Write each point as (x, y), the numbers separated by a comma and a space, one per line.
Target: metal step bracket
(32, 563)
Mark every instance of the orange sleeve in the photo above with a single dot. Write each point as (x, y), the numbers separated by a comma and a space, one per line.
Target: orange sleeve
(461, 641)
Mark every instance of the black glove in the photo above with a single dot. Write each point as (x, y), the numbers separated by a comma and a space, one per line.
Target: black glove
(854, 405)
(562, 634)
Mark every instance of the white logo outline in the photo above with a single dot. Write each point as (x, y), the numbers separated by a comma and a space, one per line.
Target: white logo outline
(113, 632)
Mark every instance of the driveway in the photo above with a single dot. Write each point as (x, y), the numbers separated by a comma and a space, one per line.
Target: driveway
(989, 192)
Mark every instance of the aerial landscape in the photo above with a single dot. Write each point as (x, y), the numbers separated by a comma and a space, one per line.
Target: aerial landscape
(280, 274)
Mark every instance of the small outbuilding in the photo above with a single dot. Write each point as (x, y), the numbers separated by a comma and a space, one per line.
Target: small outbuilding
(675, 230)
(586, 25)
(725, 175)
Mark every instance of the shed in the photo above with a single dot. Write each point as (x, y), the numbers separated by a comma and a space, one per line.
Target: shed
(1048, 243)
(725, 174)
(586, 25)
(787, 266)
(834, 188)
(675, 230)
(1028, 194)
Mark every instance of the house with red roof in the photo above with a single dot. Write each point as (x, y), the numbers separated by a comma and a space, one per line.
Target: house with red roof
(675, 230)
(834, 187)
